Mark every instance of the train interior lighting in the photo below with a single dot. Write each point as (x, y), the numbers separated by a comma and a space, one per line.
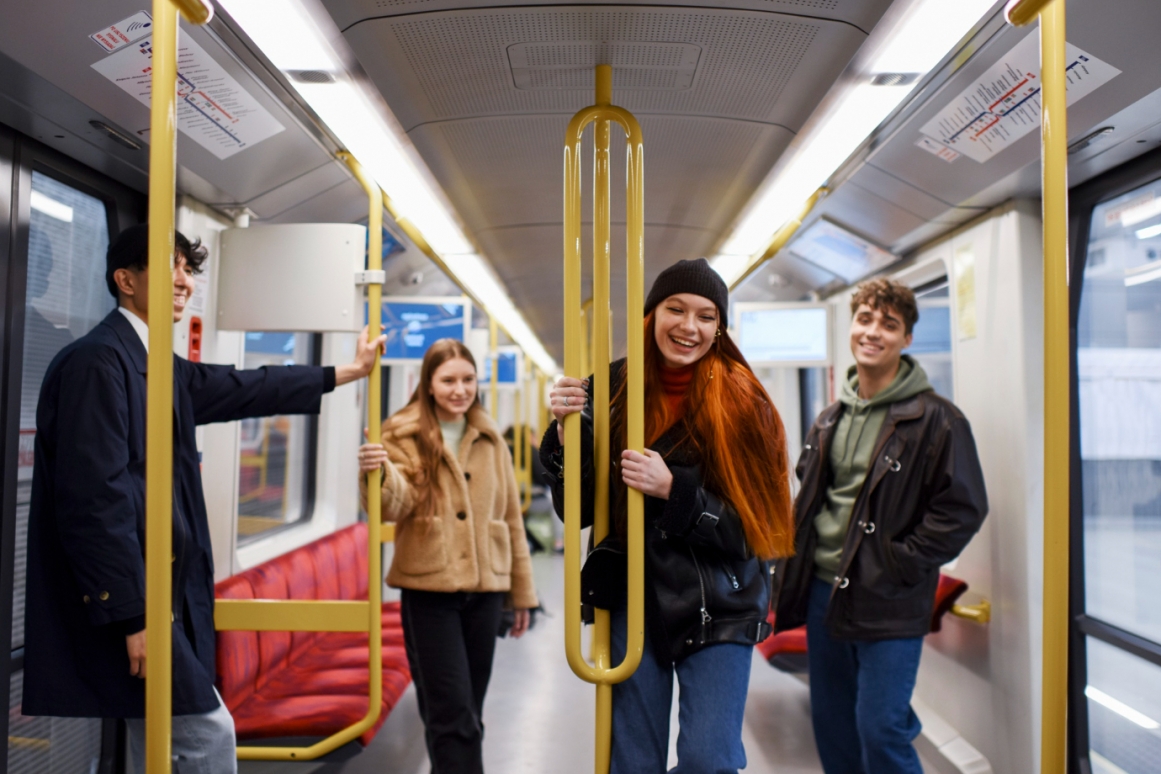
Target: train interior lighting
(802, 147)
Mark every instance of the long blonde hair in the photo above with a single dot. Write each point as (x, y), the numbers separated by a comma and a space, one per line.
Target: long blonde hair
(429, 440)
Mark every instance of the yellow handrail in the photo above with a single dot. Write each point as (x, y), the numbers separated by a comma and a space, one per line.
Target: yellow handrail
(494, 359)
(602, 672)
(522, 425)
(159, 394)
(335, 615)
(980, 613)
(781, 237)
(1057, 417)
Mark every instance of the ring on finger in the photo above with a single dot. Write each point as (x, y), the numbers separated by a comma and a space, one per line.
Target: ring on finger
(566, 400)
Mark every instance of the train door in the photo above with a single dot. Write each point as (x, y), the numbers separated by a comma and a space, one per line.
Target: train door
(1116, 472)
(56, 218)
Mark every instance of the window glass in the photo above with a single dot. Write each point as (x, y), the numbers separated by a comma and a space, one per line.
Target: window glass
(1124, 711)
(66, 296)
(276, 459)
(1119, 392)
(931, 337)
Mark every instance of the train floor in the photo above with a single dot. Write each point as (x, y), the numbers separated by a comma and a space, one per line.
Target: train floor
(539, 717)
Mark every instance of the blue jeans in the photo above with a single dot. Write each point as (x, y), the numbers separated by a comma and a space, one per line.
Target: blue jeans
(201, 744)
(712, 702)
(860, 697)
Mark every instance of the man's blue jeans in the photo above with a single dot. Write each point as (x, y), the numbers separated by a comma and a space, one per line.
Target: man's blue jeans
(712, 703)
(860, 697)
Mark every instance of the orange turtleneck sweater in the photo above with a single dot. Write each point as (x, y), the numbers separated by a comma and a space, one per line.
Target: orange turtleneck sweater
(675, 383)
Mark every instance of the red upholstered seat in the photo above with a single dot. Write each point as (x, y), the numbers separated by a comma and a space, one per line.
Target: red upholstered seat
(282, 684)
(787, 650)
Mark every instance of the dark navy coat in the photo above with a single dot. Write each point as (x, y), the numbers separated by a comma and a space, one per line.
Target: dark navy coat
(86, 527)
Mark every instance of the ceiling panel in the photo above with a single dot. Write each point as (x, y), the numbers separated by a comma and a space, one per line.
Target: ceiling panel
(861, 14)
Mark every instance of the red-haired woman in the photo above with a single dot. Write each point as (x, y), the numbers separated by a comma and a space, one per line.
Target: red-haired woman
(449, 486)
(717, 508)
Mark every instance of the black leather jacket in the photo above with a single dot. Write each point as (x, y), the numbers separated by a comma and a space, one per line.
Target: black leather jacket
(703, 584)
(922, 501)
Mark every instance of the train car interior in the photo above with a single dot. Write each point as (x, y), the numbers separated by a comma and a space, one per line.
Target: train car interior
(801, 146)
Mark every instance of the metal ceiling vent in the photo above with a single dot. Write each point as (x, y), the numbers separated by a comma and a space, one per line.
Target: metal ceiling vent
(568, 65)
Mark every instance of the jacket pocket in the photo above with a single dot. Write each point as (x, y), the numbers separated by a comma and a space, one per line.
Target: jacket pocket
(501, 544)
(420, 547)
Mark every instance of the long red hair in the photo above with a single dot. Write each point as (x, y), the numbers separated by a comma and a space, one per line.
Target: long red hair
(737, 433)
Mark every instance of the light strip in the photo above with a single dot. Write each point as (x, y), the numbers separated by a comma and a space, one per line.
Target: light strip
(916, 44)
(51, 207)
(1150, 232)
(1122, 709)
(299, 35)
(1143, 277)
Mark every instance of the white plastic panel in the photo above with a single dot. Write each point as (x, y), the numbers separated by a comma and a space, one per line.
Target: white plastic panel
(294, 277)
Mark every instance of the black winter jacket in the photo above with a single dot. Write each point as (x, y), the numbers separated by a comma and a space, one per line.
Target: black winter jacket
(922, 501)
(703, 585)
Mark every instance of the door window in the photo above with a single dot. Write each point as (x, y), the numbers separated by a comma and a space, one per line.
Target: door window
(1119, 397)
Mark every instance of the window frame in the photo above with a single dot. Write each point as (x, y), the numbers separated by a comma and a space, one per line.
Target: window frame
(20, 156)
(310, 482)
(1083, 200)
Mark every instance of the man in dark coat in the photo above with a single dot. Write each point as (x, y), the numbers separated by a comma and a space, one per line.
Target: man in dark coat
(891, 490)
(85, 612)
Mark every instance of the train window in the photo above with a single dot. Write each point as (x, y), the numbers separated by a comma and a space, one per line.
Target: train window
(931, 337)
(277, 454)
(1118, 363)
(66, 296)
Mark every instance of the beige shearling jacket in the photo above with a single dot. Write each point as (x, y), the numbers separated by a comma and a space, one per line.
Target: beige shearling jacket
(475, 539)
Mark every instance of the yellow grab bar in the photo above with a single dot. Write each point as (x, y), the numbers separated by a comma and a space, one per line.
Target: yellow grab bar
(602, 672)
(781, 237)
(494, 359)
(980, 613)
(159, 395)
(1057, 416)
(335, 615)
(523, 426)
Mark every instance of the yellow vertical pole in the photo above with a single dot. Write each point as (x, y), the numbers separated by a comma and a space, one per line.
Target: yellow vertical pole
(1054, 133)
(374, 420)
(542, 420)
(494, 357)
(159, 393)
(600, 355)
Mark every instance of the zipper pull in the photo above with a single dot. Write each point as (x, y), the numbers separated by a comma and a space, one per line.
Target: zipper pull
(705, 616)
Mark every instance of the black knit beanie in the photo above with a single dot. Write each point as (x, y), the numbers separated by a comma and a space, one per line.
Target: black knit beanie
(690, 277)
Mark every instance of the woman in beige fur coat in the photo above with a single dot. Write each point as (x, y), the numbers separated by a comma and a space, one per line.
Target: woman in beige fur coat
(450, 488)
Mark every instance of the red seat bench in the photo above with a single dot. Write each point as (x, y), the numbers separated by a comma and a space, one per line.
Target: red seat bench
(307, 684)
(787, 650)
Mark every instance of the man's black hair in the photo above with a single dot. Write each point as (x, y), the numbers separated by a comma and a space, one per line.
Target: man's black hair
(130, 250)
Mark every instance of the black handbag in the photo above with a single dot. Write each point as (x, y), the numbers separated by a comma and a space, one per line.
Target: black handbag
(605, 575)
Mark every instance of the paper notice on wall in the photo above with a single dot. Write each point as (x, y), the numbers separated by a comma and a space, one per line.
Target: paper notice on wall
(213, 109)
(1003, 105)
(964, 262)
(937, 149)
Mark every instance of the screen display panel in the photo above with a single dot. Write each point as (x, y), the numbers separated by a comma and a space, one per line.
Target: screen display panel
(836, 250)
(413, 324)
(508, 365)
(791, 335)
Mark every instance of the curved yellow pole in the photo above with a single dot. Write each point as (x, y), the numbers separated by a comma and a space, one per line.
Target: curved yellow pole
(781, 237)
(602, 672)
(159, 394)
(323, 614)
(1057, 415)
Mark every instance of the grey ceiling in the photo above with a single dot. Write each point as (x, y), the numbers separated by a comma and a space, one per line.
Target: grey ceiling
(486, 93)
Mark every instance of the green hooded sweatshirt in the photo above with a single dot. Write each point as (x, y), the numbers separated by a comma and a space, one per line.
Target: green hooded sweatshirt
(850, 458)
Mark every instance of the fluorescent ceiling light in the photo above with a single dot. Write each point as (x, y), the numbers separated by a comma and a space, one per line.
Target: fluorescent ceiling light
(285, 32)
(730, 266)
(1122, 709)
(1150, 232)
(1140, 213)
(916, 44)
(475, 273)
(1141, 277)
(51, 207)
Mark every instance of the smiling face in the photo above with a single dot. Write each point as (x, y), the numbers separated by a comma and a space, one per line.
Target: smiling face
(453, 386)
(133, 287)
(878, 338)
(684, 326)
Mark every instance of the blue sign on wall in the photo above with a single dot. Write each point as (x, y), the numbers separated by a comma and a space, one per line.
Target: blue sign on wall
(411, 327)
(507, 363)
